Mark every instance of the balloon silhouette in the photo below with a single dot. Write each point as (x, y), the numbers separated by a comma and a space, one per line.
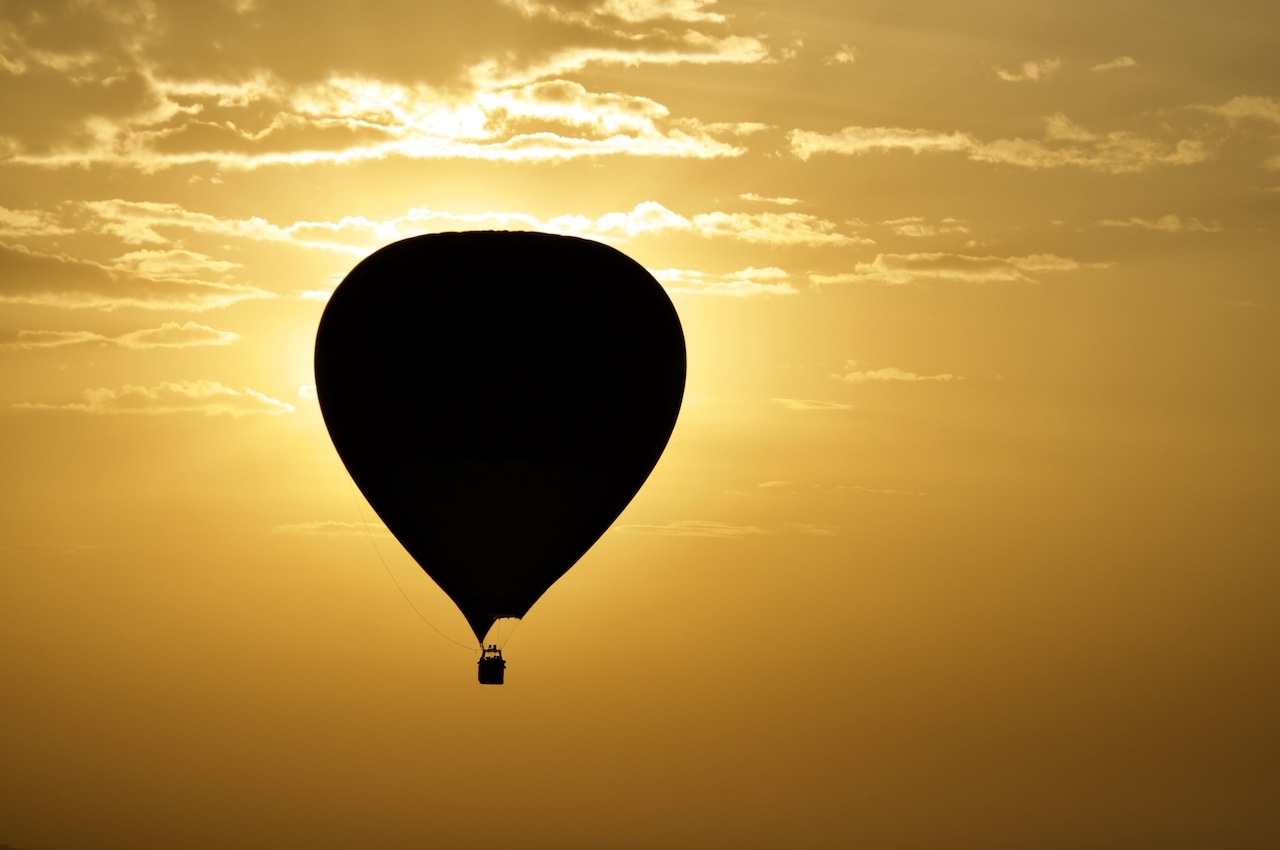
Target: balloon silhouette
(499, 398)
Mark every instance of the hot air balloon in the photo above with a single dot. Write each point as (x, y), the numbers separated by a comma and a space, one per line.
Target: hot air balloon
(499, 398)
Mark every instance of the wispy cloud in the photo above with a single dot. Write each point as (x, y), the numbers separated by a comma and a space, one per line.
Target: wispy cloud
(28, 223)
(168, 335)
(917, 227)
(789, 488)
(1059, 128)
(1065, 144)
(1032, 71)
(780, 201)
(332, 528)
(1248, 107)
(148, 222)
(346, 120)
(176, 275)
(846, 54)
(646, 217)
(1117, 152)
(1167, 223)
(789, 228)
(1118, 62)
(658, 46)
(809, 404)
(695, 528)
(208, 397)
(872, 491)
(856, 373)
(765, 228)
(739, 284)
(132, 280)
(810, 528)
(919, 268)
(604, 13)
(861, 140)
(173, 263)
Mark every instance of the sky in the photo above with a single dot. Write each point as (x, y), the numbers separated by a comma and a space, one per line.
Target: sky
(965, 537)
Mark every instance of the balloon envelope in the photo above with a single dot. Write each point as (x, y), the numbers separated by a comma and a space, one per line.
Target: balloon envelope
(499, 398)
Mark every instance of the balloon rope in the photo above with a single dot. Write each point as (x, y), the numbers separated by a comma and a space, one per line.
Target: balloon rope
(503, 635)
(394, 580)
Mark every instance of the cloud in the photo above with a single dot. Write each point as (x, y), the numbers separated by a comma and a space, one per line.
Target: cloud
(514, 114)
(1167, 223)
(694, 528)
(790, 488)
(332, 528)
(859, 140)
(1117, 152)
(53, 339)
(854, 374)
(167, 42)
(133, 280)
(656, 46)
(29, 223)
(645, 217)
(173, 263)
(146, 222)
(1118, 62)
(919, 268)
(160, 225)
(1249, 107)
(174, 335)
(1030, 71)
(809, 404)
(604, 13)
(168, 335)
(781, 201)
(846, 54)
(208, 397)
(871, 491)
(1066, 144)
(809, 528)
(767, 228)
(916, 227)
(739, 284)
(1060, 128)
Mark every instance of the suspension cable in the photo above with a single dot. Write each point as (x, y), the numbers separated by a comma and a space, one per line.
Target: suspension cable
(356, 498)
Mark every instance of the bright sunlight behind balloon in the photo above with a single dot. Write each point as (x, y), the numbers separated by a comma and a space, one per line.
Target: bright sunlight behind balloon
(499, 398)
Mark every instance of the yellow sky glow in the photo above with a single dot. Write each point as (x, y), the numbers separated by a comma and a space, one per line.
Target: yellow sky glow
(966, 534)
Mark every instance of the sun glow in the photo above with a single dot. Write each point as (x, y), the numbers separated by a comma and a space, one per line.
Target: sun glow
(974, 474)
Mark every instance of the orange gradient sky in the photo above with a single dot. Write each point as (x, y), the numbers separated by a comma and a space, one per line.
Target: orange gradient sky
(966, 536)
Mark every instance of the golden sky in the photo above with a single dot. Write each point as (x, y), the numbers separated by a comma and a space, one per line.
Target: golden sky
(966, 536)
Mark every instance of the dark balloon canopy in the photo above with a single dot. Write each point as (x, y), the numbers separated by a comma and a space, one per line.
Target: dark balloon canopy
(499, 398)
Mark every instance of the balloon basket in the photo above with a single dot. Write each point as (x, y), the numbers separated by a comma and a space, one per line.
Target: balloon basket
(492, 666)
